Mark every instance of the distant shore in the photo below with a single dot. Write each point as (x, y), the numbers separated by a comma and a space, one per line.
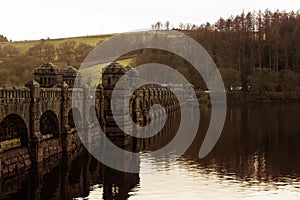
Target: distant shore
(249, 97)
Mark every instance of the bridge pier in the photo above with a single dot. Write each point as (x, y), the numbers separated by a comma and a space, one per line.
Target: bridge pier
(110, 77)
(36, 150)
(137, 108)
(66, 131)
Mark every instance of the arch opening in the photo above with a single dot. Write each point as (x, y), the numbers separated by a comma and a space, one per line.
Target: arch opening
(13, 132)
(74, 113)
(49, 126)
(94, 116)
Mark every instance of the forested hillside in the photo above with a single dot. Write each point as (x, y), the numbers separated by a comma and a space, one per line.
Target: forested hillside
(256, 49)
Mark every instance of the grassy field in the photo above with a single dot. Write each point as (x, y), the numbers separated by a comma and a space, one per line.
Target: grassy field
(23, 46)
(93, 73)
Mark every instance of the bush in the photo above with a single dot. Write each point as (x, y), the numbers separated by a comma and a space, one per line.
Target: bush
(263, 80)
(230, 77)
(288, 81)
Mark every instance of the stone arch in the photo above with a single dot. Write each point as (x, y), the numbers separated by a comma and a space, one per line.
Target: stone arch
(93, 114)
(156, 115)
(151, 102)
(159, 114)
(147, 104)
(132, 108)
(74, 113)
(141, 104)
(14, 131)
(49, 124)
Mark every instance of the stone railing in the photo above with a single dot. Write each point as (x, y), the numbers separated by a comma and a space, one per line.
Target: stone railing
(75, 93)
(14, 95)
(50, 94)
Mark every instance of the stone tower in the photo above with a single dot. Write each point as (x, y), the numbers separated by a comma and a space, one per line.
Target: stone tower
(69, 75)
(47, 75)
(110, 76)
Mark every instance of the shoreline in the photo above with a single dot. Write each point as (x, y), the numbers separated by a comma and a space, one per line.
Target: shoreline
(253, 98)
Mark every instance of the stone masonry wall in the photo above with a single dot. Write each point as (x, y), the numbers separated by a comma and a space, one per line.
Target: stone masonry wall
(51, 147)
(14, 160)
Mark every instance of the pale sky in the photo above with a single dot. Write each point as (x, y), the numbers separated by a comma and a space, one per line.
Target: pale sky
(37, 19)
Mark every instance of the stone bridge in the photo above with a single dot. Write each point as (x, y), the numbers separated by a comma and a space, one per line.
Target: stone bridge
(37, 120)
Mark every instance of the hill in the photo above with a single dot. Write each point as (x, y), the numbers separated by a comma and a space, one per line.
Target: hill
(25, 45)
(19, 58)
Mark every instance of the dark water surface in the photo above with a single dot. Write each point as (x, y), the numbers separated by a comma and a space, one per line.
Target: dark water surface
(257, 157)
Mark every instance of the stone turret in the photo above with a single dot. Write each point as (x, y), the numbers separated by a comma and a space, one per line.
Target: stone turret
(47, 75)
(69, 75)
(134, 76)
(111, 74)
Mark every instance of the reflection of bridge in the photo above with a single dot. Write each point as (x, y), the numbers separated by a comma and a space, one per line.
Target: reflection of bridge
(37, 120)
(75, 175)
(67, 177)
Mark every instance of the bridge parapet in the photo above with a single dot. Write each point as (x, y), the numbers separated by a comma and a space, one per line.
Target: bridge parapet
(50, 94)
(11, 95)
(96, 93)
(76, 93)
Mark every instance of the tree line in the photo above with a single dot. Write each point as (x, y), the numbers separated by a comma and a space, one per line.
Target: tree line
(257, 49)
(3, 38)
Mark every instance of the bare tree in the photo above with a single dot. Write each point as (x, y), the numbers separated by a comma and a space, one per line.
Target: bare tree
(81, 51)
(167, 25)
(66, 52)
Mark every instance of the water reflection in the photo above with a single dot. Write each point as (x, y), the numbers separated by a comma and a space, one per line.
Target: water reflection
(258, 142)
(256, 157)
(69, 178)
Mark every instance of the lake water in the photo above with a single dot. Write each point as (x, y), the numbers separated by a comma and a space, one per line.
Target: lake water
(256, 157)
